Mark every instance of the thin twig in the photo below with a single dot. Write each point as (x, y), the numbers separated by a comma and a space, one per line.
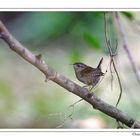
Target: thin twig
(111, 74)
(66, 118)
(126, 46)
(109, 49)
(119, 81)
(133, 125)
(70, 115)
(76, 103)
(118, 77)
(112, 61)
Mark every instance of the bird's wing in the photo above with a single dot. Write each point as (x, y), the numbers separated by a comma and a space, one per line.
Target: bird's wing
(86, 71)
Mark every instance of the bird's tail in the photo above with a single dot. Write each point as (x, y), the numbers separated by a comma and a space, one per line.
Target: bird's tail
(99, 65)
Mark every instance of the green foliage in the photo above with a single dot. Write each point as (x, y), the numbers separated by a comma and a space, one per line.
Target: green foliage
(39, 104)
(44, 103)
(41, 28)
(6, 97)
(92, 40)
(43, 25)
(75, 55)
(129, 15)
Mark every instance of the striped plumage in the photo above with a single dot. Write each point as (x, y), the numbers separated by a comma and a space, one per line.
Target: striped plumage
(88, 75)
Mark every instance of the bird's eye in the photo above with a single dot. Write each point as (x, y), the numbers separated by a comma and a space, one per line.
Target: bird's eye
(78, 65)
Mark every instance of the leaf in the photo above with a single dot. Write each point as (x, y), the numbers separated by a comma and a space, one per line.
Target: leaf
(97, 14)
(91, 40)
(75, 54)
(40, 105)
(129, 15)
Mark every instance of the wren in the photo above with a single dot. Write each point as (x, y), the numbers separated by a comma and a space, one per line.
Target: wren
(88, 75)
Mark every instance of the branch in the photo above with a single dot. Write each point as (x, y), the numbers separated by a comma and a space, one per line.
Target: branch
(126, 46)
(64, 82)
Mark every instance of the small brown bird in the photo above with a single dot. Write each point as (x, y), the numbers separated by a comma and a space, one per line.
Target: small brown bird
(88, 75)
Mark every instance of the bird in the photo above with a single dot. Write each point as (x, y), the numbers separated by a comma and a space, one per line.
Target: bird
(88, 75)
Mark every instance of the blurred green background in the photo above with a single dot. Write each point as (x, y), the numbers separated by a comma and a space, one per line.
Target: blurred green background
(27, 101)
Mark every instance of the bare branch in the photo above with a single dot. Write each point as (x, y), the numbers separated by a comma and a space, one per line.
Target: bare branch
(65, 82)
(126, 46)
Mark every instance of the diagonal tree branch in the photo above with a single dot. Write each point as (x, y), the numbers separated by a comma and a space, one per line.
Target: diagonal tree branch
(64, 82)
(126, 46)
